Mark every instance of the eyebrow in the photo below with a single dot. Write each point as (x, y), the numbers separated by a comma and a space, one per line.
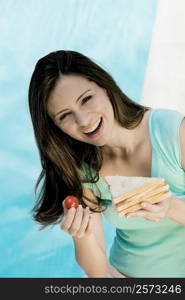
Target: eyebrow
(76, 102)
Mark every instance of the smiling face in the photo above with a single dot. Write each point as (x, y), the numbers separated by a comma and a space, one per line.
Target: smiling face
(81, 109)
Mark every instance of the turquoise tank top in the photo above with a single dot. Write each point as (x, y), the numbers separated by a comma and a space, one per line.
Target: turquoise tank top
(142, 248)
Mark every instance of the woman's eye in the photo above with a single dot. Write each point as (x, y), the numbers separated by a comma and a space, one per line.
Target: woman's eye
(62, 117)
(86, 99)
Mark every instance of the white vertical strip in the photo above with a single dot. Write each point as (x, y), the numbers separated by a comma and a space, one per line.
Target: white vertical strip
(164, 85)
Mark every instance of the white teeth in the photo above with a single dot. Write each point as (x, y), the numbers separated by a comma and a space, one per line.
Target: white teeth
(94, 127)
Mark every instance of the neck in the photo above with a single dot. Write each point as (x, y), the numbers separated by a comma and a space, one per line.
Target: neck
(125, 142)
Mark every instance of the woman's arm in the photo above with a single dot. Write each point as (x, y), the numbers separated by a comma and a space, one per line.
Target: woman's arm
(90, 250)
(176, 210)
(86, 229)
(173, 207)
(182, 143)
(177, 207)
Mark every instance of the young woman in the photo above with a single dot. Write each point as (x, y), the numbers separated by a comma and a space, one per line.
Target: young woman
(86, 128)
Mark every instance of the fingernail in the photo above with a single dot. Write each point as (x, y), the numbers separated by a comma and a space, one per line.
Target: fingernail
(144, 204)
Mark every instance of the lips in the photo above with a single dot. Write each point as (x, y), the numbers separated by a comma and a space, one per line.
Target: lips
(96, 130)
(93, 128)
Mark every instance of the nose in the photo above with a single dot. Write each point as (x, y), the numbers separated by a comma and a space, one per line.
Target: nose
(82, 119)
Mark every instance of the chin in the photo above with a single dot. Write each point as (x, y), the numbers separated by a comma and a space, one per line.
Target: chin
(100, 144)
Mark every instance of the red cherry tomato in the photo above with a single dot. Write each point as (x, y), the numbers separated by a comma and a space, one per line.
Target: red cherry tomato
(71, 201)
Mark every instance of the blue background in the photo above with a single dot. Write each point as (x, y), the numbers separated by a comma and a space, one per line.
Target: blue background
(117, 35)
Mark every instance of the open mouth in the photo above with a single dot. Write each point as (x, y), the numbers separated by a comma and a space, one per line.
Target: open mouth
(95, 130)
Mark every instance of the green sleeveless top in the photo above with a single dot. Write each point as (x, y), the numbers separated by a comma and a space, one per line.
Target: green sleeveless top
(142, 248)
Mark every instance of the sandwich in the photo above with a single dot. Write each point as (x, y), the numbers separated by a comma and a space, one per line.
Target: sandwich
(128, 192)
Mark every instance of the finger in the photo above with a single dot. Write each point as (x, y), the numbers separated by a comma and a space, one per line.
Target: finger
(77, 221)
(149, 216)
(156, 195)
(164, 202)
(164, 187)
(144, 214)
(153, 208)
(152, 219)
(84, 223)
(140, 214)
(158, 198)
(68, 219)
(155, 192)
(64, 207)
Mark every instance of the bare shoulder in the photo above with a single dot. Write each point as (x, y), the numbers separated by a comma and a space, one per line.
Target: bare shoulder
(182, 143)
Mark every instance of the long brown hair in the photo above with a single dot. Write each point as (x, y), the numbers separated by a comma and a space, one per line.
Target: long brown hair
(62, 156)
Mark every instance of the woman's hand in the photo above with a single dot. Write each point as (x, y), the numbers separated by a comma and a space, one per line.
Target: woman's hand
(77, 221)
(153, 212)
